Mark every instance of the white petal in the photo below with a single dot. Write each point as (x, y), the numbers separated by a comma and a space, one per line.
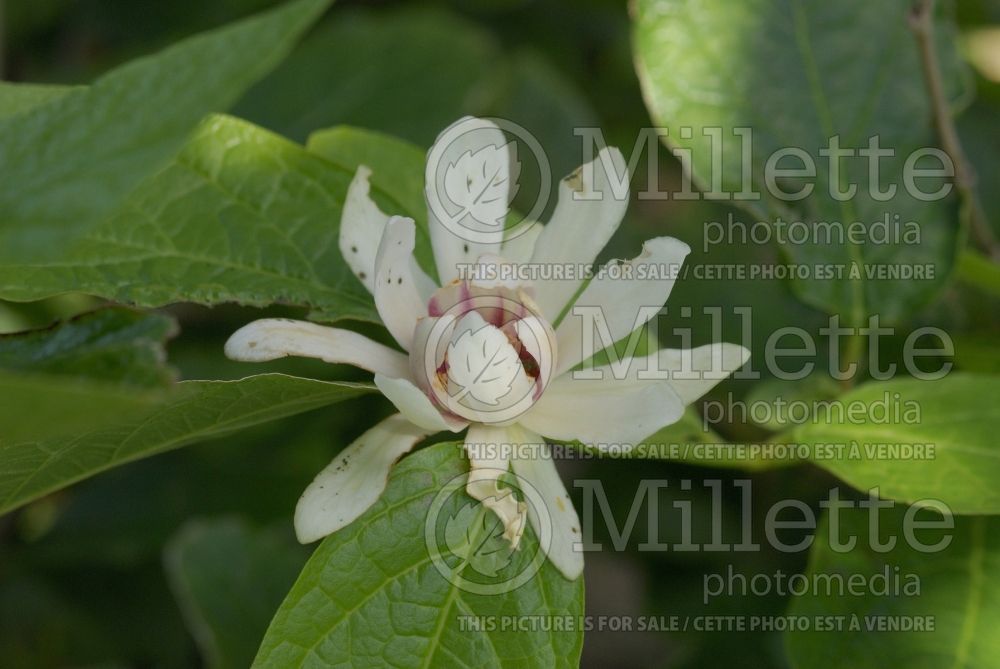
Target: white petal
(579, 228)
(361, 227)
(519, 245)
(493, 271)
(538, 339)
(694, 372)
(620, 292)
(606, 411)
(542, 475)
(484, 446)
(354, 480)
(273, 338)
(399, 283)
(424, 363)
(471, 152)
(416, 406)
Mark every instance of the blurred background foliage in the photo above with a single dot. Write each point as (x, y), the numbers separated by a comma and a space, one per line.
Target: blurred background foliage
(97, 575)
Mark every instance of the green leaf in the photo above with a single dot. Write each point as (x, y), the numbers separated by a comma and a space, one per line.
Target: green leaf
(949, 426)
(98, 368)
(397, 175)
(113, 344)
(16, 98)
(228, 579)
(958, 594)
(372, 592)
(240, 215)
(799, 73)
(365, 67)
(79, 154)
(198, 410)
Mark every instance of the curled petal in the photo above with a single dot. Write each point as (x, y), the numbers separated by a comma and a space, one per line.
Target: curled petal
(273, 338)
(605, 411)
(692, 372)
(623, 298)
(540, 472)
(468, 180)
(399, 283)
(587, 214)
(355, 479)
(487, 463)
(416, 406)
(361, 227)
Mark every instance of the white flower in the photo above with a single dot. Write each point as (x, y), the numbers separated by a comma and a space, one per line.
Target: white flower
(490, 354)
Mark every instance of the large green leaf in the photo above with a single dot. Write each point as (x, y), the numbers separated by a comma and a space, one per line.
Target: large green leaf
(75, 158)
(371, 594)
(798, 73)
(959, 597)
(951, 423)
(397, 174)
(16, 98)
(240, 215)
(197, 410)
(98, 368)
(112, 344)
(363, 68)
(228, 579)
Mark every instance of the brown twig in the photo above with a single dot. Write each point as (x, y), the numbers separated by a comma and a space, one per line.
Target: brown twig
(973, 217)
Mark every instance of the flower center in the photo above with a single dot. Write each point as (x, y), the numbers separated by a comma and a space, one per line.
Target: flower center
(484, 353)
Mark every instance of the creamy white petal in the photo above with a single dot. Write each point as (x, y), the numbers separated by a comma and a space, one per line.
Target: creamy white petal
(693, 372)
(468, 180)
(625, 295)
(431, 333)
(542, 475)
(416, 406)
(484, 446)
(580, 227)
(519, 244)
(273, 338)
(361, 227)
(538, 339)
(494, 271)
(606, 411)
(398, 281)
(349, 485)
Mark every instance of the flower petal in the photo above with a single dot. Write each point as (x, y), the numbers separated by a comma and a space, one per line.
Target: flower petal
(693, 372)
(579, 228)
(541, 473)
(519, 245)
(484, 446)
(471, 152)
(361, 227)
(273, 338)
(605, 411)
(355, 479)
(416, 406)
(399, 284)
(620, 291)
(424, 363)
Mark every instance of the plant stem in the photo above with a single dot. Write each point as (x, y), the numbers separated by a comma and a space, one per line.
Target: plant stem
(972, 216)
